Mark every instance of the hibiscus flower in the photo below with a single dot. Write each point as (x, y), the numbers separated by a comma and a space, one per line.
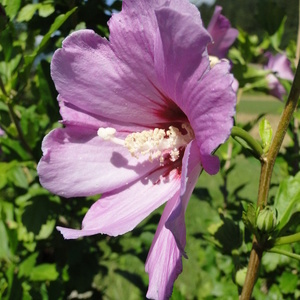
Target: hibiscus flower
(142, 113)
(281, 67)
(222, 33)
(223, 36)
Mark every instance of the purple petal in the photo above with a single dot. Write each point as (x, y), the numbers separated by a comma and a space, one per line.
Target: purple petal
(111, 79)
(179, 48)
(280, 65)
(74, 116)
(77, 162)
(276, 88)
(222, 33)
(209, 104)
(180, 62)
(190, 172)
(119, 212)
(136, 25)
(164, 261)
(89, 75)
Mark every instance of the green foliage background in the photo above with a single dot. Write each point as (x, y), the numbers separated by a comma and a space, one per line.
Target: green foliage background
(36, 262)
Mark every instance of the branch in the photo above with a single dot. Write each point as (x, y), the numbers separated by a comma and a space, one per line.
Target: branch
(267, 163)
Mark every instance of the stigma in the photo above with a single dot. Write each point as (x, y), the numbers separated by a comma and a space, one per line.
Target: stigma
(155, 143)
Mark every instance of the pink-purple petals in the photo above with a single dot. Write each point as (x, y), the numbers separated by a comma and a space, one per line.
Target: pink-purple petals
(281, 68)
(222, 33)
(152, 74)
(129, 204)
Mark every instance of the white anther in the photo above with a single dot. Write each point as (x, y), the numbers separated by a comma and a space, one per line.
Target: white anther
(213, 60)
(155, 142)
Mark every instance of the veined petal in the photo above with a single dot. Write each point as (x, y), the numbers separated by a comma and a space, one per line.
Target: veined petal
(164, 261)
(210, 105)
(74, 116)
(120, 211)
(190, 172)
(180, 48)
(77, 162)
(136, 25)
(88, 74)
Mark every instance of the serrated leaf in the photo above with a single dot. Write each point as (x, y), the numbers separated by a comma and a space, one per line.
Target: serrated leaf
(265, 132)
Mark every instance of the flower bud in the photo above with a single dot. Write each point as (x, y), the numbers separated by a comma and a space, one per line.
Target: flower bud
(266, 220)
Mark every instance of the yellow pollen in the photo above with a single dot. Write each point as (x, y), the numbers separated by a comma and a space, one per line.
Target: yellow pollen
(154, 143)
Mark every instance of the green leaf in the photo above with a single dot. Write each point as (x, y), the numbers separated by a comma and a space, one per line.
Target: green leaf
(14, 174)
(226, 234)
(287, 201)
(46, 230)
(17, 177)
(27, 12)
(26, 267)
(12, 7)
(44, 272)
(30, 125)
(288, 282)
(265, 132)
(5, 252)
(9, 146)
(60, 20)
(272, 261)
(46, 10)
(3, 180)
(277, 36)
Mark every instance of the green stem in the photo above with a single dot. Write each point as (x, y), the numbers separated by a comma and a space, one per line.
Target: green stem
(289, 239)
(284, 252)
(267, 164)
(238, 132)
